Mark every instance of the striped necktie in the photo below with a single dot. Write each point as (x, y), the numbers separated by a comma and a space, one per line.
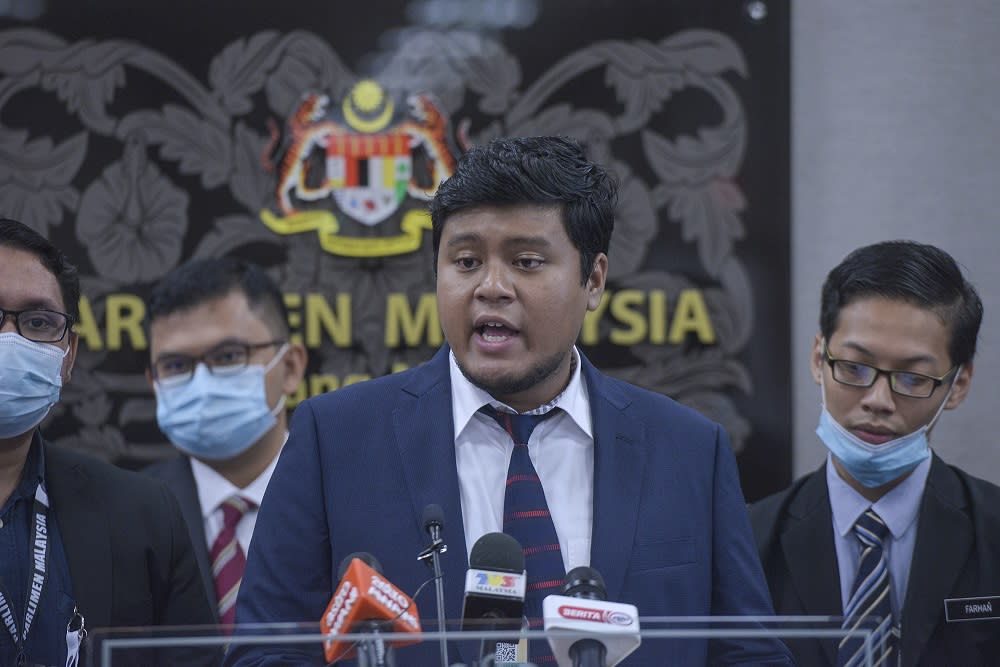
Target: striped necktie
(526, 518)
(869, 606)
(228, 559)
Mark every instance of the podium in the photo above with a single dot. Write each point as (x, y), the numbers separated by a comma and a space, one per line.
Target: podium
(681, 641)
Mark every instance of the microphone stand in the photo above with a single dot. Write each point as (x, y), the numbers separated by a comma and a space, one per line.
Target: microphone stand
(373, 652)
(432, 557)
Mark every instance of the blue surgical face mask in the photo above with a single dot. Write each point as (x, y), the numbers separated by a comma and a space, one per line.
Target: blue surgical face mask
(216, 416)
(30, 381)
(876, 465)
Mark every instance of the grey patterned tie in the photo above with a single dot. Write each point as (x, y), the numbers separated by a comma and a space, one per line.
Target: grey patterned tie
(869, 606)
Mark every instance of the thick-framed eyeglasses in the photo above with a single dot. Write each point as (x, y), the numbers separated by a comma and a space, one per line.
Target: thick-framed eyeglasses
(225, 358)
(39, 325)
(904, 383)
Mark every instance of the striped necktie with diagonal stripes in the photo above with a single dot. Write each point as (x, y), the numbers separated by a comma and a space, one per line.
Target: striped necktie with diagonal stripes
(869, 606)
(228, 559)
(526, 518)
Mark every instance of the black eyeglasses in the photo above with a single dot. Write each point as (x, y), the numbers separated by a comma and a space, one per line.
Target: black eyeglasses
(229, 357)
(904, 383)
(40, 326)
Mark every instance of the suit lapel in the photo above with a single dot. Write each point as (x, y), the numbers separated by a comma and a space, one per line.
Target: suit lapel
(422, 422)
(619, 462)
(178, 476)
(807, 544)
(85, 534)
(944, 538)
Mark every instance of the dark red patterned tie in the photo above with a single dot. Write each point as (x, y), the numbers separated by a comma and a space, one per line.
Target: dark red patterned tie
(526, 518)
(228, 559)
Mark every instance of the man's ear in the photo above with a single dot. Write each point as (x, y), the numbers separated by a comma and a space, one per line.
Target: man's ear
(596, 280)
(817, 360)
(70, 359)
(294, 363)
(960, 387)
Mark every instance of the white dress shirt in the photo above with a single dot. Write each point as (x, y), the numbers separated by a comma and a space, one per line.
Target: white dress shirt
(898, 508)
(560, 448)
(214, 489)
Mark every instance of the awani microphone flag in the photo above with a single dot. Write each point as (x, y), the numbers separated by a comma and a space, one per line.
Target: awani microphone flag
(365, 595)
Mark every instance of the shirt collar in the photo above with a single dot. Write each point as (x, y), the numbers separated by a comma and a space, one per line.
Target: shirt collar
(898, 508)
(467, 398)
(214, 489)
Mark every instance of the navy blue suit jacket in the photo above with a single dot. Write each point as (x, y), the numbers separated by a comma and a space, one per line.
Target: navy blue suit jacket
(670, 532)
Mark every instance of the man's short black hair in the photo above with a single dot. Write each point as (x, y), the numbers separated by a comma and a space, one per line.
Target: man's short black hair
(915, 273)
(534, 170)
(18, 235)
(201, 280)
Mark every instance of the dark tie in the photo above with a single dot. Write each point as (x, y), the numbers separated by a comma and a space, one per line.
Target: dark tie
(228, 559)
(869, 606)
(526, 518)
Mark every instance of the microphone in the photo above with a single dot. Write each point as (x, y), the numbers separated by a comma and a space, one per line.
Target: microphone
(433, 520)
(583, 608)
(366, 602)
(434, 525)
(494, 586)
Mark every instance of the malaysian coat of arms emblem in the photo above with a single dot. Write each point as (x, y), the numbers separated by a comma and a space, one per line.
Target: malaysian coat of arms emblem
(363, 166)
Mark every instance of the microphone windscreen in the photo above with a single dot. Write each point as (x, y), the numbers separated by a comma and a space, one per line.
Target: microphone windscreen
(497, 551)
(364, 557)
(433, 516)
(584, 582)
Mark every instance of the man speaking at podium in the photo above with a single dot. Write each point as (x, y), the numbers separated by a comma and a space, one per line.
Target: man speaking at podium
(613, 476)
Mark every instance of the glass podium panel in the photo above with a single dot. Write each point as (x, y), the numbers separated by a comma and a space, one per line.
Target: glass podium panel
(658, 641)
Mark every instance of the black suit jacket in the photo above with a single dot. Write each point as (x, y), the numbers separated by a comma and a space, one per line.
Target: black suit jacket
(177, 475)
(956, 555)
(129, 553)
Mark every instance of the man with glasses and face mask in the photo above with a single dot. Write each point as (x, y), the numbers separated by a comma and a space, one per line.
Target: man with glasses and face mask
(221, 366)
(83, 544)
(886, 535)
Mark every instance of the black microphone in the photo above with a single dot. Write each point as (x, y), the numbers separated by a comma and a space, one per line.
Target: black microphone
(583, 608)
(494, 586)
(585, 583)
(434, 525)
(365, 557)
